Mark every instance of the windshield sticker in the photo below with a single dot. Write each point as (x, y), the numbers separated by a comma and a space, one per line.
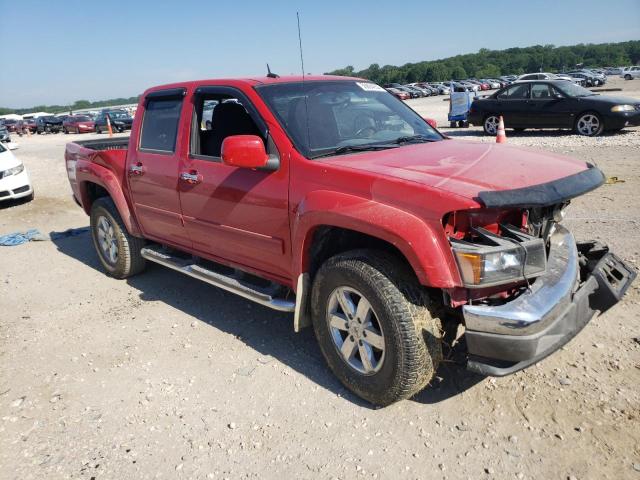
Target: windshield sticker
(370, 87)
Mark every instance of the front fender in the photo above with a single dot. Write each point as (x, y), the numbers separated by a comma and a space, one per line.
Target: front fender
(90, 172)
(423, 244)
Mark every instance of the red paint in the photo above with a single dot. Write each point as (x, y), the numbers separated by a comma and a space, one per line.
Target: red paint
(246, 151)
(264, 221)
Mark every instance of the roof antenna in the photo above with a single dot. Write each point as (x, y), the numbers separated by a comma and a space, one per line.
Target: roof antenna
(306, 105)
(270, 74)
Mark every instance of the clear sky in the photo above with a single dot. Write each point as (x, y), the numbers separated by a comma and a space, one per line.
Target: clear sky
(62, 51)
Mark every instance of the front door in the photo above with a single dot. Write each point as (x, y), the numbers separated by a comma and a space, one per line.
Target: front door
(548, 108)
(153, 170)
(234, 214)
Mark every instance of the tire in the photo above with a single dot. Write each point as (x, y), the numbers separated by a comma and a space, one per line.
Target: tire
(98, 130)
(628, 77)
(589, 124)
(65, 130)
(490, 124)
(399, 319)
(108, 233)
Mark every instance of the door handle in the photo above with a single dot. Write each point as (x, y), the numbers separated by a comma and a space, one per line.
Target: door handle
(192, 178)
(136, 169)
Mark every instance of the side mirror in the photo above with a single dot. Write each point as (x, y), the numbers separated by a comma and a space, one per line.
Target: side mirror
(557, 96)
(244, 151)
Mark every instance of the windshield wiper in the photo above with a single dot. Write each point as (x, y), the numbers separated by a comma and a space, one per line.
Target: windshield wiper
(413, 138)
(355, 148)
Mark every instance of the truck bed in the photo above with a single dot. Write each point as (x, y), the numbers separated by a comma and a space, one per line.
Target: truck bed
(118, 143)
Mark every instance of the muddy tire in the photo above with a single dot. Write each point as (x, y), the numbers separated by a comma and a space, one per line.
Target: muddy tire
(387, 348)
(118, 250)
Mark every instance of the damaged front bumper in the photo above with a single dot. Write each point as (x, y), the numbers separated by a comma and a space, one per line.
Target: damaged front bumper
(580, 280)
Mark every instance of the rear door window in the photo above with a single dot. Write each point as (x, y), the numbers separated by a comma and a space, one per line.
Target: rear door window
(515, 92)
(160, 125)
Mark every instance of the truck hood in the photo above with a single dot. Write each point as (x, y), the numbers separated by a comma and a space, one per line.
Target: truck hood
(464, 168)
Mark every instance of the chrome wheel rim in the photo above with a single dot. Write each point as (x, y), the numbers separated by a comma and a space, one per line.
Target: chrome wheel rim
(355, 330)
(588, 124)
(107, 239)
(491, 124)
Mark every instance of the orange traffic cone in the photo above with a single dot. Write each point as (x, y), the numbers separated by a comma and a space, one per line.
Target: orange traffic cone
(501, 137)
(111, 131)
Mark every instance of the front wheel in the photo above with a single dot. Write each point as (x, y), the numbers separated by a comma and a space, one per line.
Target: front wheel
(490, 124)
(627, 77)
(589, 125)
(118, 250)
(375, 326)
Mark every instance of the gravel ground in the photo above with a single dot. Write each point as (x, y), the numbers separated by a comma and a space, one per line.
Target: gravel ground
(161, 376)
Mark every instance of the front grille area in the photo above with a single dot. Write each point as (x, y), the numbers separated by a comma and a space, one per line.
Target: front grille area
(21, 189)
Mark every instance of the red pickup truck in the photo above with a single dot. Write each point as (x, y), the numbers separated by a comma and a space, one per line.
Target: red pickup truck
(331, 199)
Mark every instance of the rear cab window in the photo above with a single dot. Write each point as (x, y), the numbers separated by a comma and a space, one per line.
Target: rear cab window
(159, 130)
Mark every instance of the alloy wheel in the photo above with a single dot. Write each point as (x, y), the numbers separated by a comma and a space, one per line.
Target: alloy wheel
(588, 124)
(491, 124)
(355, 330)
(107, 239)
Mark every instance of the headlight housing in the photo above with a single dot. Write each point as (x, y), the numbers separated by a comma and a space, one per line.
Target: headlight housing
(623, 108)
(495, 260)
(12, 171)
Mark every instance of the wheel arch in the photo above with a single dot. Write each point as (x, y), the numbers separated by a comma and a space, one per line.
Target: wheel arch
(99, 182)
(328, 223)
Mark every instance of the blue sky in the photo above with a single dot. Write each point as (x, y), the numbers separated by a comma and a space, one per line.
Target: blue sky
(59, 52)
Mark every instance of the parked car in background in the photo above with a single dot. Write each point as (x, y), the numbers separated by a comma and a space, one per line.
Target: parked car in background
(398, 93)
(474, 87)
(442, 88)
(11, 124)
(554, 104)
(78, 124)
(48, 124)
(120, 120)
(613, 70)
(564, 76)
(590, 80)
(14, 179)
(508, 78)
(4, 134)
(29, 124)
(493, 84)
(629, 73)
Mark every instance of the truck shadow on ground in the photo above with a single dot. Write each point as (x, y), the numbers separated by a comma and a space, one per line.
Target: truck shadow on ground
(266, 331)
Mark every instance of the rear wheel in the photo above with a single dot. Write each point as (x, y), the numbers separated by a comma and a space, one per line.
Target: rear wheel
(118, 250)
(65, 130)
(589, 124)
(375, 326)
(490, 124)
(628, 77)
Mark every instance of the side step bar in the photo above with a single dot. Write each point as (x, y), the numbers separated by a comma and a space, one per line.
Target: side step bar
(189, 267)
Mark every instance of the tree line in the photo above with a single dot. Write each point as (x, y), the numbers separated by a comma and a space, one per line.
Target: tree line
(494, 63)
(77, 105)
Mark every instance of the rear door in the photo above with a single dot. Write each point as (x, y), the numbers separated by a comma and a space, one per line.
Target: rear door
(152, 168)
(234, 214)
(511, 104)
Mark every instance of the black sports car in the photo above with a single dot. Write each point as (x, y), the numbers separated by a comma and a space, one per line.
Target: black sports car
(554, 104)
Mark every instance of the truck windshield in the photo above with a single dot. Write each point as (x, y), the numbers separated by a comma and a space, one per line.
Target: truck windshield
(334, 117)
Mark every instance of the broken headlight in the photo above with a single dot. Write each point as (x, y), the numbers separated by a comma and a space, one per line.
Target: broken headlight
(492, 259)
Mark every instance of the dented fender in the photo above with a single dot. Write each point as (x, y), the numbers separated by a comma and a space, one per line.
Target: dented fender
(423, 244)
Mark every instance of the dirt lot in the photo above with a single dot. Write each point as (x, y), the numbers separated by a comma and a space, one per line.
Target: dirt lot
(161, 376)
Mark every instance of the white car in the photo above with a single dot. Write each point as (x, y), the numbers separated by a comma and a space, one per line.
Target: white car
(14, 179)
(629, 73)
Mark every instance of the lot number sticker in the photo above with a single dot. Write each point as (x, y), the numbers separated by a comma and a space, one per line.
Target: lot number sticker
(370, 87)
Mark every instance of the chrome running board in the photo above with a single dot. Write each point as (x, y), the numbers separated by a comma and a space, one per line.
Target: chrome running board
(231, 283)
